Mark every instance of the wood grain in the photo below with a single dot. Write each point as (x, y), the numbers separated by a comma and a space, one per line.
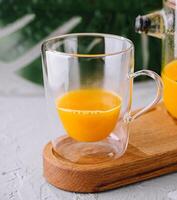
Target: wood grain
(152, 152)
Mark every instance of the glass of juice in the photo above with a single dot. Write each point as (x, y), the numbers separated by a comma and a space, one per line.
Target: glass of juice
(88, 79)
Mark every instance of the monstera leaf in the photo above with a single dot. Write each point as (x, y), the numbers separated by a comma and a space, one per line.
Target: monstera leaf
(24, 24)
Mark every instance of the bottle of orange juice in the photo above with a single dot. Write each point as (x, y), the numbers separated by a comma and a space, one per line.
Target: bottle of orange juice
(162, 24)
(169, 76)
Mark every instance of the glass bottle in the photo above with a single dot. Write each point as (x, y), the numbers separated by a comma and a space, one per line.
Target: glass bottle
(161, 24)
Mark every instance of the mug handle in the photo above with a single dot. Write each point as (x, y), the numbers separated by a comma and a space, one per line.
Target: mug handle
(159, 93)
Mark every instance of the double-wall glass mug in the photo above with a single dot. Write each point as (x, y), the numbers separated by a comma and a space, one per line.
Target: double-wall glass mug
(88, 79)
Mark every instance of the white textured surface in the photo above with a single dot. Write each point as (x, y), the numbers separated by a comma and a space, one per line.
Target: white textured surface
(24, 130)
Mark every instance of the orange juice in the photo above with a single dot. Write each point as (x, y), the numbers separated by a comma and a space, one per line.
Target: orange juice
(169, 76)
(89, 115)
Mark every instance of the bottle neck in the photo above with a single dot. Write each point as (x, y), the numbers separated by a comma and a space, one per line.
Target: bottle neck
(152, 24)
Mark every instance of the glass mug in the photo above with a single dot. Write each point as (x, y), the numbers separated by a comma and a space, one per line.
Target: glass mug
(88, 79)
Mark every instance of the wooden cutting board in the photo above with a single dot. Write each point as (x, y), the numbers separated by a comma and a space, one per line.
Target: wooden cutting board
(152, 152)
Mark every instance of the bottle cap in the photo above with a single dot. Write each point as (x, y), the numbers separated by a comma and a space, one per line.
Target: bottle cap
(142, 24)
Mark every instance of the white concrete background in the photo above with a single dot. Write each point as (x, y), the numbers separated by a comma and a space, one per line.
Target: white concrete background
(24, 130)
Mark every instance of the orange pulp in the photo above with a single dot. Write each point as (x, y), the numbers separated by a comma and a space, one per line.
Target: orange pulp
(89, 115)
